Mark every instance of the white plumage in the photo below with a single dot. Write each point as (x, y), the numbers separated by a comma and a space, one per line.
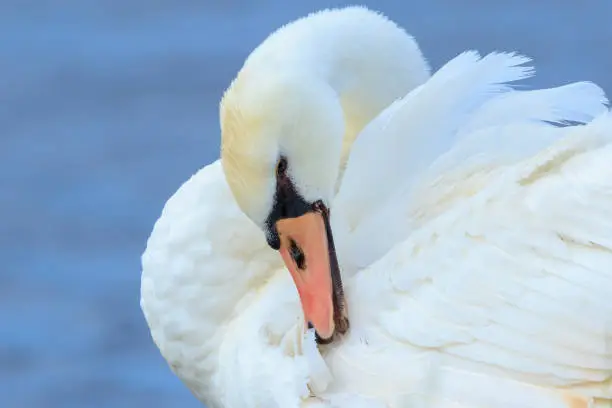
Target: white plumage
(475, 241)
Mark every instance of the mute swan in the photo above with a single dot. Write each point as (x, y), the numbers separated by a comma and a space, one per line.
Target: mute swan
(475, 238)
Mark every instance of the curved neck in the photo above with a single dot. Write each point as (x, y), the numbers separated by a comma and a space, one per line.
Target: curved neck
(313, 83)
(352, 57)
(366, 59)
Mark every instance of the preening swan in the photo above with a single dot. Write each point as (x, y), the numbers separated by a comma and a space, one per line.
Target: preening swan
(450, 243)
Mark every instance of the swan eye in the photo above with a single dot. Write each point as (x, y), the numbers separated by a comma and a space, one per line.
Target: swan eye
(298, 256)
(281, 167)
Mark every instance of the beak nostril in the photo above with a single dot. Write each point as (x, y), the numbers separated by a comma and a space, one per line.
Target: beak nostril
(297, 255)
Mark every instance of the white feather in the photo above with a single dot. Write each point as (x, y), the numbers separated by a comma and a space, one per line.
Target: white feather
(476, 245)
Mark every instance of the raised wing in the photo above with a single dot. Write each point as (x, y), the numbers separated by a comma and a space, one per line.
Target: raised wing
(507, 274)
(397, 149)
(503, 274)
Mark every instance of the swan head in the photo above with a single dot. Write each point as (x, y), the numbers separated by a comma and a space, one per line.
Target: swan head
(281, 151)
(287, 122)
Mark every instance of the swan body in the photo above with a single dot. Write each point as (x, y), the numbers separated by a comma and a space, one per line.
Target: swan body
(475, 237)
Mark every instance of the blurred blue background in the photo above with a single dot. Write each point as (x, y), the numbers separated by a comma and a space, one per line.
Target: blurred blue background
(106, 107)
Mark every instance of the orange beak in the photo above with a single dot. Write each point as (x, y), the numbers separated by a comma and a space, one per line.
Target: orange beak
(305, 249)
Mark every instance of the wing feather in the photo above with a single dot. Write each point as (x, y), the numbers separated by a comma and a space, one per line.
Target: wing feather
(517, 280)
